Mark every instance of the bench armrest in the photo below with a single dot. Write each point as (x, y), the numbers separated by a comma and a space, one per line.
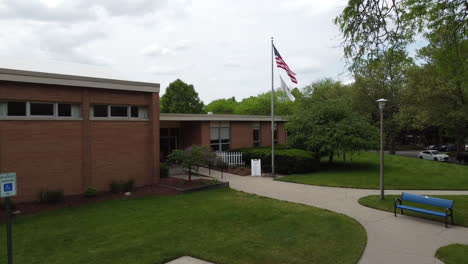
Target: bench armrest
(397, 200)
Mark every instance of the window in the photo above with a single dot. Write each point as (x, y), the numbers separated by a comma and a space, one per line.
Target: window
(220, 136)
(16, 109)
(134, 111)
(38, 110)
(42, 109)
(256, 135)
(100, 111)
(120, 112)
(64, 109)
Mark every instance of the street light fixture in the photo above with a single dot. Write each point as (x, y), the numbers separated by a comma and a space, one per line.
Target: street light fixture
(381, 103)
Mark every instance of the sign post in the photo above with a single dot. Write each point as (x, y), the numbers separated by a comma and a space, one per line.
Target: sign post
(7, 190)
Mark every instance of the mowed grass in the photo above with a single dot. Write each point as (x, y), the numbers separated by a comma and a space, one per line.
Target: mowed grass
(221, 226)
(400, 173)
(460, 207)
(453, 254)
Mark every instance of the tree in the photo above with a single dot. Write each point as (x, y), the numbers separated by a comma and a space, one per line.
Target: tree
(324, 122)
(181, 97)
(438, 91)
(261, 104)
(383, 77)
(222, 106)
(191, 158)
(371, 27)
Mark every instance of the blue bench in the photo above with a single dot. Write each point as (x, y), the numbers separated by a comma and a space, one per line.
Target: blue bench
(409, 197)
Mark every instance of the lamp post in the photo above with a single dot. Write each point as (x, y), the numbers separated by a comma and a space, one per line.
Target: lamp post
(382, 103)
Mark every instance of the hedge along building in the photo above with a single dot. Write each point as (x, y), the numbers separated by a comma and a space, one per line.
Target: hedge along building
(75, 130)
(218, 132)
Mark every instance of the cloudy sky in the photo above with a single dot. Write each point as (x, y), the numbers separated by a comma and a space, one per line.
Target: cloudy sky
(222, 47)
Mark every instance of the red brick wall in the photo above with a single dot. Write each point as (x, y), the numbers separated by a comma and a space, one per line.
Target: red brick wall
(265, 134)
(241, 135)
(44, 154)
(74, 155)
(194, 133)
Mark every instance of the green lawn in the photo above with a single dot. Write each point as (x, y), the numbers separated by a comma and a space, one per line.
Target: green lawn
(400, 173)
(221, 226)
(453, 254)
(460, 207)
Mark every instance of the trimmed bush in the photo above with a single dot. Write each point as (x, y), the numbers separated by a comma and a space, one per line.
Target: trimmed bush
(116, 187)
(287, 160)
(163, 170)
(12, 204)
(122, 186)
(462, 157)
(129, 185)
(90, 192)
(51, 196)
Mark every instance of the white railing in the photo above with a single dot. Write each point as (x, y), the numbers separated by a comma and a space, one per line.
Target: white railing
(231, 158)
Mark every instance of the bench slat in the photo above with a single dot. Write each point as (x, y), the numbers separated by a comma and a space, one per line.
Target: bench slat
(427, 200)
(420, 210)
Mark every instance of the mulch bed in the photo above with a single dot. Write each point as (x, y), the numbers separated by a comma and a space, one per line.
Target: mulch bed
(242, 171)
(183, 184)
(28, 208)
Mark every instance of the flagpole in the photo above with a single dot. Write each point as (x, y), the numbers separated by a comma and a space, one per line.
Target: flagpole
(272, 116)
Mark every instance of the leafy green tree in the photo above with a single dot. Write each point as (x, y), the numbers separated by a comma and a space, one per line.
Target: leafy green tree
(324, 122)
(383, 77)
(222, 106)
(437, 91)
(191, 158)
(261, 104)
(181, 97)
(371, 27)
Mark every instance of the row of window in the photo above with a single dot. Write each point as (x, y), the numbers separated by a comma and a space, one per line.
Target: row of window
(220, 135)
(39, 109)
(119, 111)
(70, 110)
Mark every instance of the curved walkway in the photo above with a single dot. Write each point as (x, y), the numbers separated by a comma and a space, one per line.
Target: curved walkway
(390, 239)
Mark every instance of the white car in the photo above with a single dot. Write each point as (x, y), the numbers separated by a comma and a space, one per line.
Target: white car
(433, 155)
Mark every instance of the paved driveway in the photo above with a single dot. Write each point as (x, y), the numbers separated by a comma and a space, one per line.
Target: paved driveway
(390, 239)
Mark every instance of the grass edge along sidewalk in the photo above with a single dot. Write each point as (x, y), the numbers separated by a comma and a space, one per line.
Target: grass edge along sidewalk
(453, 254)
(401, 173)
(220, 226)
(460, 207)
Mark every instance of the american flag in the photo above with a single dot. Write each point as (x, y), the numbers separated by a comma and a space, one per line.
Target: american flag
(280, 63)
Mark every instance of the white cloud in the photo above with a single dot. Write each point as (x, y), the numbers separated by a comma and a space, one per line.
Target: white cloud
(222, 47)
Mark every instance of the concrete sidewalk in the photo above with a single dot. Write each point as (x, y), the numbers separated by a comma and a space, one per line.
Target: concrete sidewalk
(390, 239)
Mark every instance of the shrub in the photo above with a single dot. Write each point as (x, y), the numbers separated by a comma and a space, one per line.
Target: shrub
(12, 204)
(90, 192)
(122, 186)
(51, 196)
(163, 170)
(287, 160)
(116, 187)
(129, 185)
(462, 157)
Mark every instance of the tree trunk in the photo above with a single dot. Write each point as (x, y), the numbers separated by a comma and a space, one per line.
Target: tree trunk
(190, 174)
(330, 158)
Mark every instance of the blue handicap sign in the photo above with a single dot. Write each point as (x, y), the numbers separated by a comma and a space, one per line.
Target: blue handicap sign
(8, 187)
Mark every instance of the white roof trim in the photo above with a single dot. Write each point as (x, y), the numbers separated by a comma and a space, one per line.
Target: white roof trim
(209, 117)
(74, 80)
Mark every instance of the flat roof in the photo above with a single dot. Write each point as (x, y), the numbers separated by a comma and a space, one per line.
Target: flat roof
(215, 117)
(69, 74)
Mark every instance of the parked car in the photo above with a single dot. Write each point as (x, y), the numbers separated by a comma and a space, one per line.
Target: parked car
(432, 147)
(433, 155)
(448, 147)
